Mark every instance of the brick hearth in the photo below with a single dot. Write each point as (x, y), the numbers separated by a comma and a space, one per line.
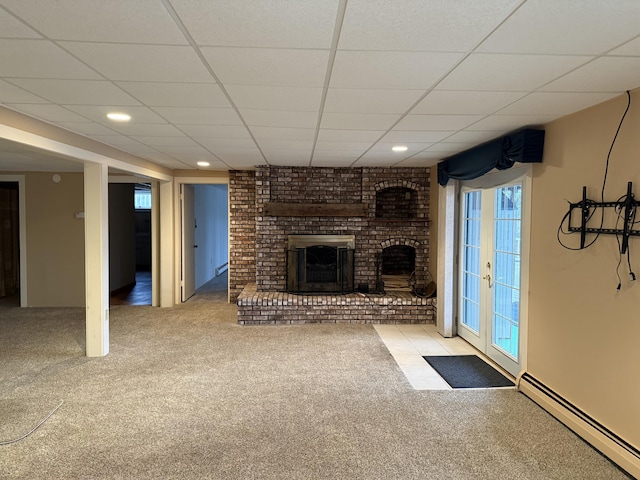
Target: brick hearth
(281, 308)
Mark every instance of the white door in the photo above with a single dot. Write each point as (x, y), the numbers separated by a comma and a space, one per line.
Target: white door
(491, 265)
(188, 273)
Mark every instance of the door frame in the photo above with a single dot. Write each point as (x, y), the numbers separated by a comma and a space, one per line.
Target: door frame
(187, 242)
(202, 178)
(496, 178)
(448, 248)
(22, 220)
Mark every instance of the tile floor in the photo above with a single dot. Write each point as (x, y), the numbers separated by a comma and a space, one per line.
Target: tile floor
(408, 343)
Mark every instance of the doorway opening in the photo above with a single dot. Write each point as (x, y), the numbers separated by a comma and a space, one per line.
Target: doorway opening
(130, 244)
(204, 225)
(493, 252)
(9, 244)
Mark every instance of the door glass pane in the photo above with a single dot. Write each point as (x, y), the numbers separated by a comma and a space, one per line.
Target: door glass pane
(506, 268)
(470, 304)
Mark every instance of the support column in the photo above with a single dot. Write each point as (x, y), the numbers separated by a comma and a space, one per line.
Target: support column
(166, 245)
(447, 264)
(96, 245)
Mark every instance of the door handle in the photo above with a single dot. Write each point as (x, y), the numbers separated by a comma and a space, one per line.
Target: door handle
(487, 277)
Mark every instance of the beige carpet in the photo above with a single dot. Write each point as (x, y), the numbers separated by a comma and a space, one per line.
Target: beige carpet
(186, 393)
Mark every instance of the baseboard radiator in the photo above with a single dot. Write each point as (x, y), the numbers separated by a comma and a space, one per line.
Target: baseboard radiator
(222, 268)
(600, 437)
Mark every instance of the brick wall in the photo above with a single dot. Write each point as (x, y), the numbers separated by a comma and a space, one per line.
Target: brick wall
(261, 240)
(242, 231)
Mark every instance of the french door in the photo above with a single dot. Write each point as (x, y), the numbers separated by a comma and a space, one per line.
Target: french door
(491, 270)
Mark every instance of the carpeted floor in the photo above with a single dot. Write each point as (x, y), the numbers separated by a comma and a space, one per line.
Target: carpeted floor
(186, 393)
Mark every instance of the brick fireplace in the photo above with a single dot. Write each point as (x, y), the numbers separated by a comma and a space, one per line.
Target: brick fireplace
(384, 211)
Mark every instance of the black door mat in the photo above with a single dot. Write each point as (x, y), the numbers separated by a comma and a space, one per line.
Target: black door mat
(467, 371)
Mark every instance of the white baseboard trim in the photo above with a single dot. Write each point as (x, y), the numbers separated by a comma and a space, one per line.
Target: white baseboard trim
(618, 450)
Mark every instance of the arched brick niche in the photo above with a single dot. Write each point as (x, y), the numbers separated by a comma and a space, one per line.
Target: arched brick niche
(397, 200)
(398, 263)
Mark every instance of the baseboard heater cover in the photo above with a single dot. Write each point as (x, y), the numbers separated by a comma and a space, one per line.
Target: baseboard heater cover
(618, 450)
(221, 269)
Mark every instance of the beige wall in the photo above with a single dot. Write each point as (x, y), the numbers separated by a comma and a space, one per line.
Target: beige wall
(55, 240)
(584, 335)
(433, 223)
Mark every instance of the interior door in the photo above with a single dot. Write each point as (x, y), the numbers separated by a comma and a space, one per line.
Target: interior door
(490, 293)
(188, 273)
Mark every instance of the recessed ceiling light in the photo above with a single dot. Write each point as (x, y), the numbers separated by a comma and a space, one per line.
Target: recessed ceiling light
(203, 164)
(400, 148)
(118, 117)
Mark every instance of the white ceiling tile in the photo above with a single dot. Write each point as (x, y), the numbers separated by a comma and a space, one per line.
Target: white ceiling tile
(353, 147)
(288, 157)
(393, 70)
(195, 116)
(86, 128)
(161, 94)
(275, 98)
(48, 112)
(446, 148)
(333, 135)
(356, 121)
(149, 153)
(240, 158)
(263, 23)
(605, 74)
(419, 136)
(214, 131)
(345, 153)
(149, 63)
(437, 122)
(509, 123)
(11, 27)
(552, 103)
(147, 129)
(45, 60)
(420, 24)
(631, 48)
(471, 136)
(280, 133)
(214, 144)
(515, 73)
(98, 113)
(214, 164)
(282, 145)
(279, 118)
(420, 161)
(375, 159)
(335, 162)
(568, 27)
(76, 92)
(142, 21)
(361, 100)
(428, 157)
(154, 141)
(11, 94)
(184, 153)
(119, 141)
(386, 148)
(268, 66)
(465, 102)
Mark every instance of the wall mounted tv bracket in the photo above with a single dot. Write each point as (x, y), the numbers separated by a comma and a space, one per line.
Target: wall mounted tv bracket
(625, 208)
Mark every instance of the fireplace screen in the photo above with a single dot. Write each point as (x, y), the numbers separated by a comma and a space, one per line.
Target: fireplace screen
(320, 269)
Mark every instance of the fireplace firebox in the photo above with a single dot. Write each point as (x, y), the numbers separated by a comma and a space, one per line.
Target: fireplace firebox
(320, 264)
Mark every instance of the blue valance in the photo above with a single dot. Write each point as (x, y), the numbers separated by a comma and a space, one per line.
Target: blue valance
(523, 146)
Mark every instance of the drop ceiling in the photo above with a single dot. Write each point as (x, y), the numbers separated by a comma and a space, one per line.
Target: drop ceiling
(239, 83)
